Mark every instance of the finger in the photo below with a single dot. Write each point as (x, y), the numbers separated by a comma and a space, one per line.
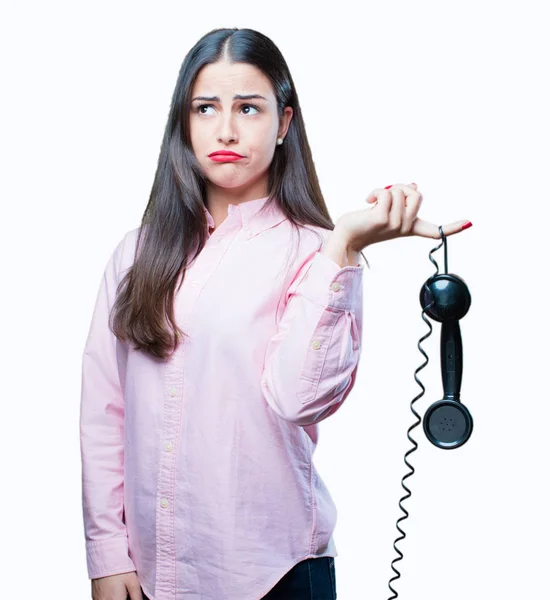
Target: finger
(414, 201)
(134, 592)
(407, 190)
(397, 210)
(383, 202)
(372, 197)
(375, 194)
(430, 230)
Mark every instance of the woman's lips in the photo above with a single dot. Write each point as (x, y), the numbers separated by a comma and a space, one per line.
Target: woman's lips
(225, 157)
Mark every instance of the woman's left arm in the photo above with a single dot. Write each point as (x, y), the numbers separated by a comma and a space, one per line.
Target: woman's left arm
(311, 362)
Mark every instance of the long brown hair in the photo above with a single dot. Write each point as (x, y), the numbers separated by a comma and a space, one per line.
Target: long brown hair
(173, 230)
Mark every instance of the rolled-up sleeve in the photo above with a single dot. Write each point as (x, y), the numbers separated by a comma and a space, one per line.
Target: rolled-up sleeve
(102, 438)
(311, 362)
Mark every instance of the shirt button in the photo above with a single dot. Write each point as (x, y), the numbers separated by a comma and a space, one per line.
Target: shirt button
(316, 345)
(172, 391)
(164, 503)
(168, 446)
(335, 287)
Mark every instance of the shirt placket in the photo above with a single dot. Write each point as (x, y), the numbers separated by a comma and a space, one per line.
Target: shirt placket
(165, 585)
(197, 274)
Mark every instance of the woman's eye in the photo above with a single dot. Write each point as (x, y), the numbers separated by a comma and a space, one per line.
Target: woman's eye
(201, 106)
(251, 106)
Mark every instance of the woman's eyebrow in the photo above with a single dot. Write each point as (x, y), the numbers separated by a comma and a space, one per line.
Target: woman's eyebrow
(235, 97)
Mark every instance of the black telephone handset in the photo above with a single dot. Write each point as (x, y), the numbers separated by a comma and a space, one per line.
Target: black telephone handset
(448, 424)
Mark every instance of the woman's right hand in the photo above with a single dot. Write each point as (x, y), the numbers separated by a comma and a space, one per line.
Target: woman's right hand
(117, 587)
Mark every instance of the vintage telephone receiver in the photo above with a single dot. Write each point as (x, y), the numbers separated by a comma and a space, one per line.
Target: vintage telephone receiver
(447, 423)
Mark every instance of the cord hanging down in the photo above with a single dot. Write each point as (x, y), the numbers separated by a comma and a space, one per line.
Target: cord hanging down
(419, 420)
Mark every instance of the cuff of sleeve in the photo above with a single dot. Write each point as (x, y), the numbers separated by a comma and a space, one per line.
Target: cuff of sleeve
(330, 285)
(108, 557)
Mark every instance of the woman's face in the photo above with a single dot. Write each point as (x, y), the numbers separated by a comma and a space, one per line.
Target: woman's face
(249, 127)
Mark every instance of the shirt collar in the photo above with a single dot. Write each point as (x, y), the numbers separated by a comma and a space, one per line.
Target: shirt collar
(252, 219)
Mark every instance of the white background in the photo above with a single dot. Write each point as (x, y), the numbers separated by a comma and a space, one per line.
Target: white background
(452, 96)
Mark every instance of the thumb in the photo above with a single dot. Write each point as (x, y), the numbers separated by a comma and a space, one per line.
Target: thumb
(134, 591)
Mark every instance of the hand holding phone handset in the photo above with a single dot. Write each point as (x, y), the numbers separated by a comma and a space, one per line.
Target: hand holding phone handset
(444, 297)
(448, 424)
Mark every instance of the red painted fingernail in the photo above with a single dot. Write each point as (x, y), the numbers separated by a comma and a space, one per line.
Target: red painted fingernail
(468, 224)
(388, 187)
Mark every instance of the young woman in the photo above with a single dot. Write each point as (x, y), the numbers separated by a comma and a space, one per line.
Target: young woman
(226, 327)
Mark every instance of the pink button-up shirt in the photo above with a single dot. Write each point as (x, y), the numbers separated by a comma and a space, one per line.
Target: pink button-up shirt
(197, 471)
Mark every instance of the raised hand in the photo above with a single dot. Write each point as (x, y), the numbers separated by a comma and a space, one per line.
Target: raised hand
(392, 214)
